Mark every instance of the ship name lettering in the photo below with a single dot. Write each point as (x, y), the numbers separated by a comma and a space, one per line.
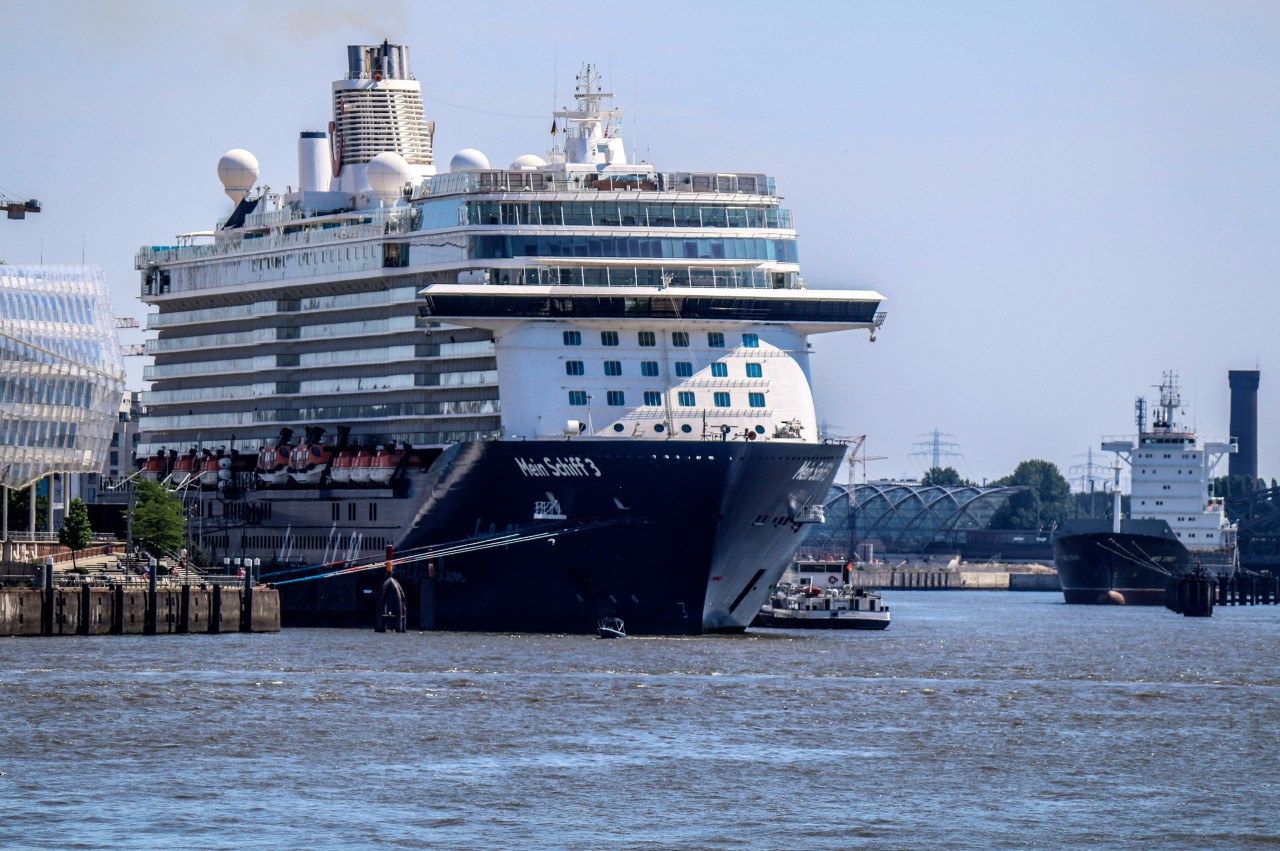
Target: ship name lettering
(814, 471)
(559, 467)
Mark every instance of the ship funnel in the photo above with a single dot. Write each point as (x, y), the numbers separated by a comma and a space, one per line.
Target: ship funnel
(238, 171)
(315, 164)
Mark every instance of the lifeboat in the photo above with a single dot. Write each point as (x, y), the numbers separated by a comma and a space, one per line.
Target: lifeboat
(360, 465)
(208, 469)
(308, 462)
(186, 467)
(154, 468)
(273, 464)
(384, 464)
(340, 472)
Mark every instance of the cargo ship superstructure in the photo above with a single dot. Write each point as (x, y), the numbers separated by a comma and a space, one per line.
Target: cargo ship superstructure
(570, 388)
(1174, 526)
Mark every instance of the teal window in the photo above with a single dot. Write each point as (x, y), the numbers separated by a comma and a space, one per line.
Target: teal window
(616, 398)
(715, 339)
(608, 338)
(754, 370)
(719, 370)
(648, 338)
(652, 397)
(573, 367)
(680, 339)
(685, 398)
(751, 341)
(722, 400)
(578, 398)
(684, 369)
(649, 368)
(613, 367)
(573, 338)
(756, 400)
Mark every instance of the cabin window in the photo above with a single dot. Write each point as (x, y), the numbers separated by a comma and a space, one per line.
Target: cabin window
(616, 398)
(715, 339)
(719, 370)
(608, 338)
(648, 338)
(574, 367)
(652, 397)
(756, 400)
(573, 338)
(649, 368)
(613, 367)
(680, 339)
(684, 369)
(722, 400)
(751, 341)
(578, 398)
(754, 370)
(685, 398)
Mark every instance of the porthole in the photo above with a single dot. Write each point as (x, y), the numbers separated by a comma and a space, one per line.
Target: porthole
(618, 427)
(659, 428)
(759, 429)
(686, 428)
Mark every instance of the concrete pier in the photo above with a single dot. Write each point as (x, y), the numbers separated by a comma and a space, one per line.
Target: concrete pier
(136, 610)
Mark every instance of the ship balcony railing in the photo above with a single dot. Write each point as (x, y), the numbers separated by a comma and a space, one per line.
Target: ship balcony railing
(710, 383)
(495, 180)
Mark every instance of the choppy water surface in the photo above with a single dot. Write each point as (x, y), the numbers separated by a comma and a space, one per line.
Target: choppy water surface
(977, 720)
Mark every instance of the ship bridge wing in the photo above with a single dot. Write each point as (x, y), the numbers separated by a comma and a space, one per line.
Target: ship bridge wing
(806, 311)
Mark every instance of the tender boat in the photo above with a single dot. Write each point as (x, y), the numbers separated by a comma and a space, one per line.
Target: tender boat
(611, 628)
(814, 607)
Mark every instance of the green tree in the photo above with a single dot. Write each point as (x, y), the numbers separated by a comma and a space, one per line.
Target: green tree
(945, 477)
(1046, 502)
(158, 521)
(76, 534)
(19, 512)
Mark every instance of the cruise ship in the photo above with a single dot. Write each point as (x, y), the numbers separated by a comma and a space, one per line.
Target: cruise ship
(570, 388)
(1174, 527)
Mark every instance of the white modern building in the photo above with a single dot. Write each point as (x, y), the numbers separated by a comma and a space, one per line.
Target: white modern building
(61, 374)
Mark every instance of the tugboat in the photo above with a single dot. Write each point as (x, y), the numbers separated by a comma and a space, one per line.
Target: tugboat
(1174, 525)
(815, 607)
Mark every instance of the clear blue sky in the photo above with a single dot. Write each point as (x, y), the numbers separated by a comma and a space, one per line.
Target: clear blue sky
(1060, 200)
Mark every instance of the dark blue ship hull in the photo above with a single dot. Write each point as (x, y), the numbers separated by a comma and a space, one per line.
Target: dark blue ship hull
(1138, 562)
(671, 536)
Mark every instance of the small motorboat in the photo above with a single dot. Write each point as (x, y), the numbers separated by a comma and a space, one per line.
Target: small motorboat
(611, 628)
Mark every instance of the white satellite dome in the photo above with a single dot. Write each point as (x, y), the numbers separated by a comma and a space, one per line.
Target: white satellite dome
(468, 159)
(387, 174)
(527, 162)
(238, 171)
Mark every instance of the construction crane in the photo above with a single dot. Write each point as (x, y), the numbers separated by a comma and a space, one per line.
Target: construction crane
(19, 209)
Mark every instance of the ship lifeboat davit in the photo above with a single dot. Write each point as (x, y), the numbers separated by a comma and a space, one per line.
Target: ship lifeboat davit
(385, 463)
(340, 472)
(308, 462)
(360, 465)
(186, 467)
(154, 468)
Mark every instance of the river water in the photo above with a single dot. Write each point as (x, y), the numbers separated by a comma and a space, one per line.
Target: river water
(977, 720)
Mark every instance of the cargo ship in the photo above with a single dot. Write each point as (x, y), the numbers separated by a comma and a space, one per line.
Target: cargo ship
(570, 388)
(1174, 526)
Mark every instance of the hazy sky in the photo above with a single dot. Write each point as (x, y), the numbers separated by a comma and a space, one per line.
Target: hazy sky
(1060, 200)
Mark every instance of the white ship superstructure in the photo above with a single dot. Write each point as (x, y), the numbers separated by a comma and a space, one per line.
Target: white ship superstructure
(629, 301)
(1170, 472)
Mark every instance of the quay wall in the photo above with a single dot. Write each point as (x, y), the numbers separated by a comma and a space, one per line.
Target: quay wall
(119, 610)
(953, 580)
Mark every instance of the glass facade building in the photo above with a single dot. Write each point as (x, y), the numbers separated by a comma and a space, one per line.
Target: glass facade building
(61, 372)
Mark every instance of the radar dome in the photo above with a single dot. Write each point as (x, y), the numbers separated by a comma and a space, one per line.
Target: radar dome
(387, 173)
(528, 162)
(238, 171)
(468, 159)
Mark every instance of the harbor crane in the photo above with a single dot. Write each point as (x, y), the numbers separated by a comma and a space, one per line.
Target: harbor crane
(19, 209)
